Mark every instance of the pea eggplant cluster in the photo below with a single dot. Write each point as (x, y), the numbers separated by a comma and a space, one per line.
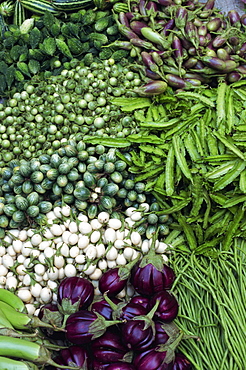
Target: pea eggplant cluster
(183, 44)
(104, 332)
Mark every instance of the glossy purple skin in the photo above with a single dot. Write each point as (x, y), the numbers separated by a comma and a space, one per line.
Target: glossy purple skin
(121, 366)
(97, 365)
(131, 310)
(108, 347)
(181, 362)
(168, 306)
(148, 280)
(76, 289)
(161, 336)
(142, 301)
(103, 308)
(111, 283)
(135, 337)
(52, 334)
(74, 354)
(152, 360)
(77, 327)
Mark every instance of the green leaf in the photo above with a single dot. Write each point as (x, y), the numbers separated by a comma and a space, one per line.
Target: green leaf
(23, 67)
(49, 19)
(49, 46)
(35, 37)
(34, 66)
(10, 76)
(62, 46)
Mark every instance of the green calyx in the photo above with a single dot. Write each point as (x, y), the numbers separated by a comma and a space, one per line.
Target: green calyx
(99, 326)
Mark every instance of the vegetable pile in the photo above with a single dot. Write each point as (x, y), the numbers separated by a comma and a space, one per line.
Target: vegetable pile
(185, 44)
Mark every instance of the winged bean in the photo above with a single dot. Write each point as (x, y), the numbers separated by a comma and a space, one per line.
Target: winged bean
(169, 172)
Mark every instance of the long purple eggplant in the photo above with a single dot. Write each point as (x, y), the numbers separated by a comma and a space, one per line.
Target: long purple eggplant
(84, 326)
(74, 293)
(167, 309)
(73, 356)
(109, 347)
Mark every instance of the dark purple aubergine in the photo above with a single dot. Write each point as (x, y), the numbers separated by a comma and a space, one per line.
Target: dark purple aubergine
(109, 347)
(121, 366)
(97, 365)
(125, 310)
(84, 326)
(141, 300)
(73, 356)
(161, 336)
(103, 307)
(148, 279)
(167, 309)
(74, 294)
(138, 334)
(152, 360)
(50, 314)
(181, 362)
(113, 281)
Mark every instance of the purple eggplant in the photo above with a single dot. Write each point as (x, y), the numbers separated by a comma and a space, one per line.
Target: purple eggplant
(138, 334)
(109, 347)
(114, 280)
(136, 26)
(97, 365)
(103, 307)
(181, 362)
(234, 18)
(125, 310)
(152, 360)
(74, 293)
(84, 326)
(167, 309)
(161, 336)
(121, 366)
(50, 314)
(151, 275)
(141, 300)
(73, 356)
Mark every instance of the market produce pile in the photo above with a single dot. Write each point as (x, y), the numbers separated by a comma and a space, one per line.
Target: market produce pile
(122, 185)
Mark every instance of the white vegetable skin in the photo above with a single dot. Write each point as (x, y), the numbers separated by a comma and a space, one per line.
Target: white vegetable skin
(96, 274)
(83, 241)
(161, 248)
(112, 254)
(73, 228)
(7, 261)
(70, 270)
(59, 261)
(95, 224)
(57, 212)
(102, 264)
(111, 264)
(52, 273)
(17, 245)
(91, 252)
(103, 217)
(46, 295)
(121, 260)
(100, 248)
(25, 295)
(109, 235)
(39, 269)
(80, 259)
(11, 283)
(56, 230)
(73, 239)
(90, 269)
(128, 253)
(26, 248)
(36, 290)
(44, 244)
(136, 216)
(65, 236)
(95, 236)
(74, 252)
(130, 211)
(114, 223)
(65, 210)
(21, 270)
(2, 251)
(136, 238)
(119, 244)
(85, 227)
(22, 235)
(36, 239)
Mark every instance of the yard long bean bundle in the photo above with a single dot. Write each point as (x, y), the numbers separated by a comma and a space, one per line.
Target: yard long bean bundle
(212, 306)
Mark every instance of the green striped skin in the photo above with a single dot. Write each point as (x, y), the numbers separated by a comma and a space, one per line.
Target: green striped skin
(19, 13)
(39, 6)
(70, 5)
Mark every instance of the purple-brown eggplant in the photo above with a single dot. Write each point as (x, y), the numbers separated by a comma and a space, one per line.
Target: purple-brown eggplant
(74, 293)
(84, 326)
(97, 365)
(152, 88)
(181, 362)
(109, 347)
(138, 334)
(151, 275)
(113, 281)
(103, 307)
(50, 314)
(73, 356)
(167, 309)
